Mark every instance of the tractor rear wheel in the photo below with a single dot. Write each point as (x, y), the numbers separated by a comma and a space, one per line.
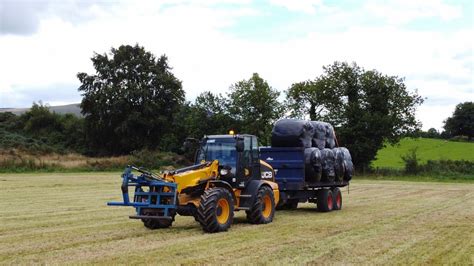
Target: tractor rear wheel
(337, 201)
(156, 223)
(263, 209)
(216, 210)
(325, 200)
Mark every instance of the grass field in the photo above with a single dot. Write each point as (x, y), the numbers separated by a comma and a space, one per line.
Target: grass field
(62, 218)
(427, 149)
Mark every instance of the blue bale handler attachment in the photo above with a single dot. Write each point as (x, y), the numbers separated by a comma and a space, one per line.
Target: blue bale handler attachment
(154, 199)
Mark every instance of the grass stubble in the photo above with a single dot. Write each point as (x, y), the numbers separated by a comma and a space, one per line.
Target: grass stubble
(63, 218)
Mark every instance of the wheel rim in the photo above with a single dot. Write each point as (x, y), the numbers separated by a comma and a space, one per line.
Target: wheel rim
(338, 200)
(329, 201)
(267, 206)
(222, 211)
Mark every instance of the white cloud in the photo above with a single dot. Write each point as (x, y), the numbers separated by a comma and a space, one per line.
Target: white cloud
(206, 57)
(305, 6)
(404, 11)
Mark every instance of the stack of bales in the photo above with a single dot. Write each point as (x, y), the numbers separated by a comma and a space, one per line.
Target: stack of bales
(323, 160)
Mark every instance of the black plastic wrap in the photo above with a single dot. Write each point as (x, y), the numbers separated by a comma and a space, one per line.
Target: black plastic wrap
(348, 165)
(339, 168)
(292, 133)
(319, 137)
(324, 136)
(313, 169)
(328, 161)
(330, 136)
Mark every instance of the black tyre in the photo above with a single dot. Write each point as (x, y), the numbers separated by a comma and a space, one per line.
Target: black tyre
(263, 209)
(337, 198)
(325, 200)
(216, 210)
(156, 223)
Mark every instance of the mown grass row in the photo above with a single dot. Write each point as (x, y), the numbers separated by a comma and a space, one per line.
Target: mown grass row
(63, 219)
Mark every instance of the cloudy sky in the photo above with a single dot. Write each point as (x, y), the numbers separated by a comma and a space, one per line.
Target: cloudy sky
(212, 44)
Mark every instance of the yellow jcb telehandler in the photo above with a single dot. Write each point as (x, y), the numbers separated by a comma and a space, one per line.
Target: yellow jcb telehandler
(228, 176)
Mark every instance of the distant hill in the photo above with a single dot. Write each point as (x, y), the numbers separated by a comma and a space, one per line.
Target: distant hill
(428, 149)
(60, 109)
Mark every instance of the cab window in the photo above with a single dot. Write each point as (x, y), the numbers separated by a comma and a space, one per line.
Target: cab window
(247, 156)
(255, 156)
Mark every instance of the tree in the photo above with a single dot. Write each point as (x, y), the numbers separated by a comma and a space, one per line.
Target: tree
(304, 98)
(214, 116)
(255, 104)
(432, 133)
(206, 116)
(366, 107)
(130, 101)
(462, 121)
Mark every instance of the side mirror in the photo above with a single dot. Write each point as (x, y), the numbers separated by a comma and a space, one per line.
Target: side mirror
(239, 145)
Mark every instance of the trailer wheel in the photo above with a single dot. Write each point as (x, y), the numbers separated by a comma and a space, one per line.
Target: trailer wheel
(263, 209)
(325, 200)
(216, 210)
(337, 198)
(156, 223)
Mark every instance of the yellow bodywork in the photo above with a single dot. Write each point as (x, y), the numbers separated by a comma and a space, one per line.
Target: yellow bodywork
(276, 191)
(191, 178)
(209, 171)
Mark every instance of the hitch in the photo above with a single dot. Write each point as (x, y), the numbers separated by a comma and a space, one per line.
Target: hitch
(154, 197)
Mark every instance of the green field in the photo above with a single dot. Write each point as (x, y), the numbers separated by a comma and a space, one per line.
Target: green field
(427, 149)
(62, 218)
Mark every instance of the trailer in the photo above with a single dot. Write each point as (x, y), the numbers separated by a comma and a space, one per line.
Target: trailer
(296, 185)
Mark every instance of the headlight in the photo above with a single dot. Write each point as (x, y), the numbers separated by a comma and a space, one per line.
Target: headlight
(224, 172)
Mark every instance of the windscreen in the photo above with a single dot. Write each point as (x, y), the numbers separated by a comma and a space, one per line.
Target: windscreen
(222, 150)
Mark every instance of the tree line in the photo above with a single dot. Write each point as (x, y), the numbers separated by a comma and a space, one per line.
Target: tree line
(133, 101)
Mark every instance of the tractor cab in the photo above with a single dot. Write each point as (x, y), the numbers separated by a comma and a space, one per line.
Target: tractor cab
(237, 155)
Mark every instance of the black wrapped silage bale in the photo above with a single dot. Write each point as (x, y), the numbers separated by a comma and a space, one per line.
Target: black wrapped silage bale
(339, 168)
(319, 137)
(348, 165)
(324, 136)
(327, 161)
(330, 136)
(313, 169)
(292, 133)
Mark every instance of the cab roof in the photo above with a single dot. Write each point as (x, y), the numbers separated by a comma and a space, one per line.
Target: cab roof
(227, 136)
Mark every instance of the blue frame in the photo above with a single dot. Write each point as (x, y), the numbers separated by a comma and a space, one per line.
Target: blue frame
(151, 199)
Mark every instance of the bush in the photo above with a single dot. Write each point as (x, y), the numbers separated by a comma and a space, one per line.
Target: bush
(448, 167)
(411, 161)
(434, 169)
(41, 131)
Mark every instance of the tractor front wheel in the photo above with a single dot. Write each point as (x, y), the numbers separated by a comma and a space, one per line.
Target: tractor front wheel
(263, 209)
(156, 223)
(216, 210)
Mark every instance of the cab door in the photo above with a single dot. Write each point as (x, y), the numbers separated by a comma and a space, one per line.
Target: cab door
(255, 158)
(246, 160)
